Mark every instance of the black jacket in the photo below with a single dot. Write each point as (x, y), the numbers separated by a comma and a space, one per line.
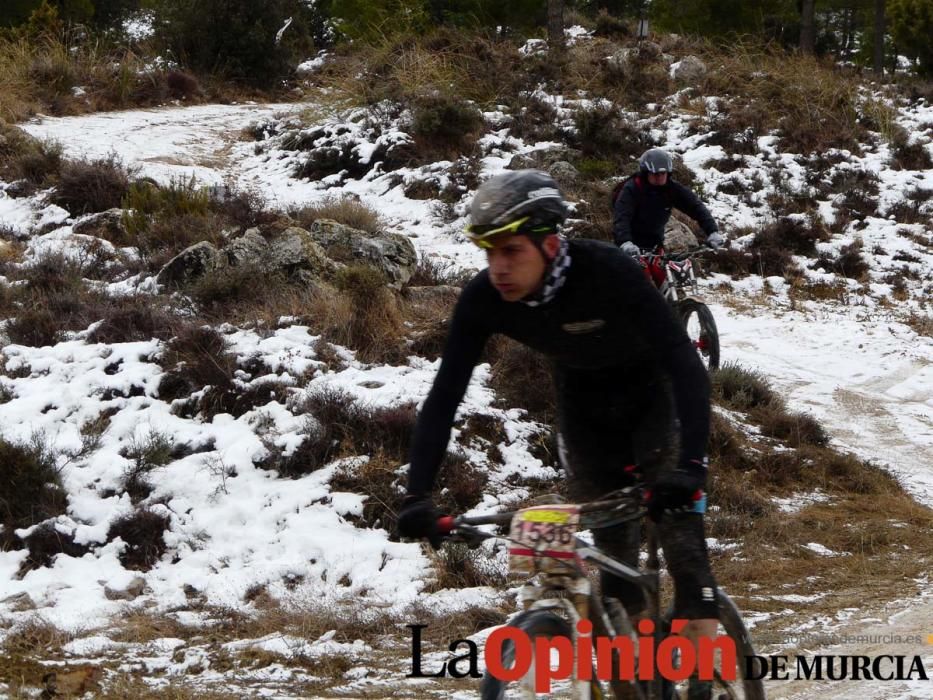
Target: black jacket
(641, 211)
(607, 322)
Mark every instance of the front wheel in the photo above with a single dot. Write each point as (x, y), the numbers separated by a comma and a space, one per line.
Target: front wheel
(701, 328)
(742, 688)
(534, 623)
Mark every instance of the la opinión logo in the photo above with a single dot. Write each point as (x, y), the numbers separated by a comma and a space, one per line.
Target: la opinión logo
(636, 659)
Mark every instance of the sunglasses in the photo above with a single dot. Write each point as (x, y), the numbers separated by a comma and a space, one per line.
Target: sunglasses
(488, 236)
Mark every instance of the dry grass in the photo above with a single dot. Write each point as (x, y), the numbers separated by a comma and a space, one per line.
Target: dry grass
(362, 313)
(345, 210)
(813, 106)
(447, 61)
(869, 519)
(921, 323)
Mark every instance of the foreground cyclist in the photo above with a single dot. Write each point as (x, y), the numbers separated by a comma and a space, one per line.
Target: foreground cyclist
(625, 371)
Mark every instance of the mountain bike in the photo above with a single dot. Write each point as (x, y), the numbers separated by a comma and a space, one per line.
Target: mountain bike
(558, 599)
(673, 274)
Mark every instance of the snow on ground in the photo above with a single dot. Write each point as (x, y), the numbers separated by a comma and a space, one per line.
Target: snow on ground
(866, 377)
(864, 374)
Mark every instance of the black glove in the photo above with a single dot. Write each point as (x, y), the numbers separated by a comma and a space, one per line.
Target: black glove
(417, 519)
(678, 490)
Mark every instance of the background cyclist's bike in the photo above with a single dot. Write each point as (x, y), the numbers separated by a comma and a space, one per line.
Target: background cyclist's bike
(674, 275)
(545, 547)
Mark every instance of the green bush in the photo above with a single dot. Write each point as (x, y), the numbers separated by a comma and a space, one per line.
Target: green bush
(445, 125)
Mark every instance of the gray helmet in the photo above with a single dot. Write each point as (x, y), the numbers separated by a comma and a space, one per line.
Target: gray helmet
(656, 160)
(514, 195)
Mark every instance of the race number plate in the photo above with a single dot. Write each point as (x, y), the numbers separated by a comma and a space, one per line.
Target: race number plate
(543, 540)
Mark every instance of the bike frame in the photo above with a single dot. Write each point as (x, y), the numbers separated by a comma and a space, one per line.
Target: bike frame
(582, 604)
(679, 273)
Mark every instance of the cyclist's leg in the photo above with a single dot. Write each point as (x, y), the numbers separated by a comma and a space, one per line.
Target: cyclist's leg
(594, 455)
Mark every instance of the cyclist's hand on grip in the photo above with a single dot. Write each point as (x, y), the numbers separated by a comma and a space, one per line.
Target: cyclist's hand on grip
(630, 248)
(715, 240)
(417, 519)
(677, 490)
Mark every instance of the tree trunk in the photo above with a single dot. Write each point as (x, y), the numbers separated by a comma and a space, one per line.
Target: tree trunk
(848, 27)
(878, 63)
(555, 25)
(808, 27)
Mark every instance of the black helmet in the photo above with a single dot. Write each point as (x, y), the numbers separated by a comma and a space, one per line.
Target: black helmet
(524, 201)
(656, 160)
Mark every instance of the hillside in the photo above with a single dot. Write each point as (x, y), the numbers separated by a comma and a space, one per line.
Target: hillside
(229, 452)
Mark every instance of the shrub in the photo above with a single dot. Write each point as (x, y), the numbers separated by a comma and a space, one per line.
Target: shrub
(848, 262)
(35, 161)
(459, 566)
(164, 220)
(792, 234)
(195, 358)
(602, 132)
(378, 480)
(136, 318)
(88, 186)
(791, 428)
(338, 426)
(147, 453)
(434, 272)
(35, 327)
(44, 544)
(445, 126)
(533, 118)
(813, 106)
(345, 210)
(31, 489)
(143, 532)
(907, 154)
(741, 389)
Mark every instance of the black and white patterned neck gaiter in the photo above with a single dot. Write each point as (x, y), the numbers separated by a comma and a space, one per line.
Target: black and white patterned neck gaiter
(555, 278)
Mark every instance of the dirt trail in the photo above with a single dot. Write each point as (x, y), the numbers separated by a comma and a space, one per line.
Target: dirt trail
(913, 620)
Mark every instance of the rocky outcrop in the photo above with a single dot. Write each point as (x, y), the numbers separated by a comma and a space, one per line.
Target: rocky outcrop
(392, 253)
(190, 264)
(678, 237)
(303, 256)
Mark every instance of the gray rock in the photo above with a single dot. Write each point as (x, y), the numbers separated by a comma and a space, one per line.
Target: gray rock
(564, 172)
(390, 252)
(678, 237)
(129, 592)
(690, 70)
(296, 250)
(107, 225)
(544, 159)
(190, 264)
(247, 249)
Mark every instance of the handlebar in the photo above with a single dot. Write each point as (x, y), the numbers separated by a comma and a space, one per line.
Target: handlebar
(678, 257)
(614, 508)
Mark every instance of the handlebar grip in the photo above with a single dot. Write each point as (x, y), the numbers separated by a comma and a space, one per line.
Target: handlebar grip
(445, 524)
